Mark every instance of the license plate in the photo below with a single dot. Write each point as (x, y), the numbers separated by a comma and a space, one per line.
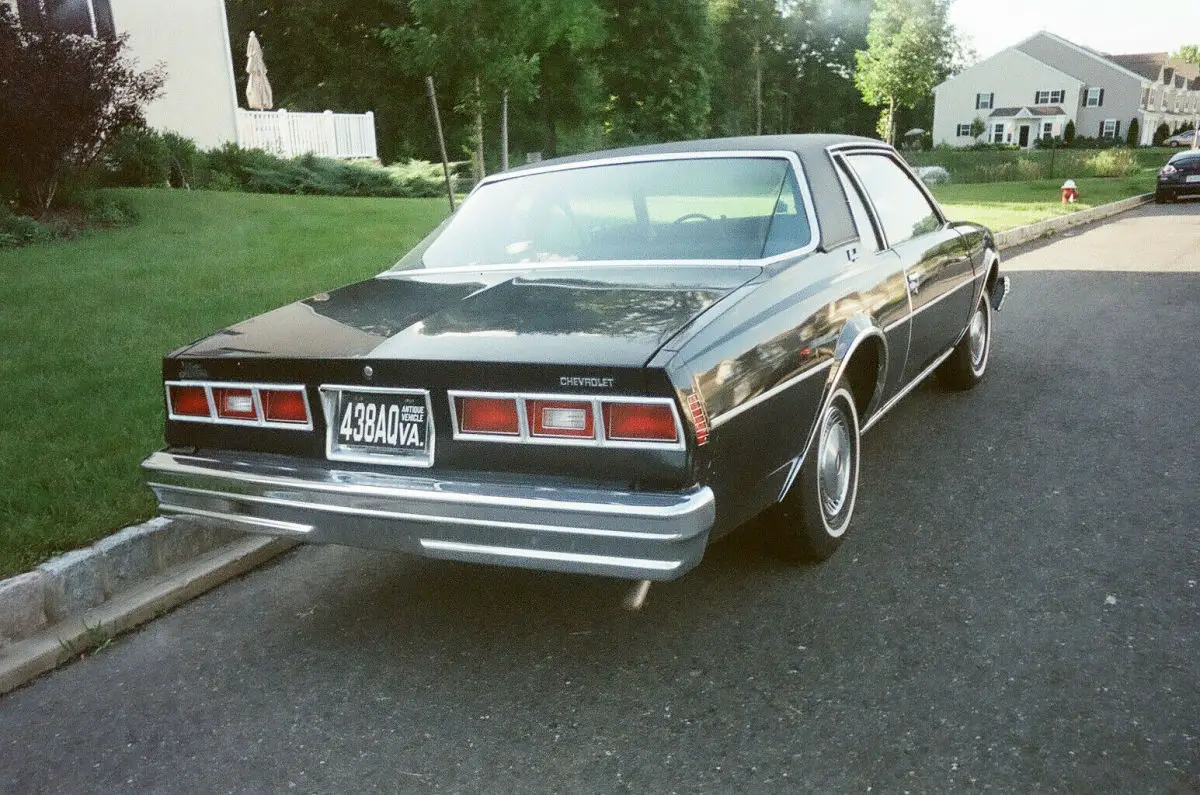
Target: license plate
(389, 426)
(1192, 178)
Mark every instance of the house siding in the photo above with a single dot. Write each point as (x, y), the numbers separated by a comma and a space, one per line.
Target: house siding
(1122, 91)
(192, 41)
(1013, 77)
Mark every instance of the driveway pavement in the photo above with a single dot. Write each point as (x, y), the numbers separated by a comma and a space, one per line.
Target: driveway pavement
(1017, 610)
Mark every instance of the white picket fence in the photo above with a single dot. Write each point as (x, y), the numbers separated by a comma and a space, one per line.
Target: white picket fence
(288, 134)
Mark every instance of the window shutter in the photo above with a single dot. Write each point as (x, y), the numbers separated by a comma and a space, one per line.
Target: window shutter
(1100, 133)
(1117, 129)
(1035, 97)
(976, 102)
(1083, 97)
(1101, 102)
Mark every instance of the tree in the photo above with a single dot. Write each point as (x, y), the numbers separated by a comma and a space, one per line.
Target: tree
(1161, 133)
(751, 63)
(822, 37)
(910, 48)
(1069, 132)
(1133, 134)
(657, 69)
(327, 55)
(61, 97)
(978, 128)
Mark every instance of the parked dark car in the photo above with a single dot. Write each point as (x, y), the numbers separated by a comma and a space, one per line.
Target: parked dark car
(599, 364)
(1179, 177)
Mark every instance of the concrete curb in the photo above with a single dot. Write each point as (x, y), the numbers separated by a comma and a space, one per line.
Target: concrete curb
(80, 600)
(1023, 234)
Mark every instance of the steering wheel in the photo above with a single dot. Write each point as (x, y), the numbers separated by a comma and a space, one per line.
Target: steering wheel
(692, 217)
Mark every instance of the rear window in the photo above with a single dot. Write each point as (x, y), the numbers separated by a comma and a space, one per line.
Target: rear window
(1188, 159)
(730, 208)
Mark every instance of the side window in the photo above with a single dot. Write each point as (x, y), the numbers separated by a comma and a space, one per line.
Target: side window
(868, 239)
(903, 209)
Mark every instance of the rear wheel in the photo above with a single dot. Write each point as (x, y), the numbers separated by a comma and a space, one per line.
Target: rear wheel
(813, 517)
(968, 363)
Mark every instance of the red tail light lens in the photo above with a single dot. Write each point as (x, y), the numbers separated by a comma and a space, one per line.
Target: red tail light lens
(284, 405)
(567, 418)
(188, 401)
(488, 415)
(640, 422)
(235, 404)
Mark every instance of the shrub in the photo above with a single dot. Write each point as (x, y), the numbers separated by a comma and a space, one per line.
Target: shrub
(105, 209)
(74, 92)
(1133, 136)
(1112, 163)
(1027, 169)
(1069, 132)
(135, 158)
(187, 163)
(1161, 133)
(21, 230)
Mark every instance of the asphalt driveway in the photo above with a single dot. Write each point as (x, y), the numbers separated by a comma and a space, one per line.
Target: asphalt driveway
(1017, 610)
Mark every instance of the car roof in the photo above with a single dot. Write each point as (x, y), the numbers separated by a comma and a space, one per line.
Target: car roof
(1181, 156)
(834, 222)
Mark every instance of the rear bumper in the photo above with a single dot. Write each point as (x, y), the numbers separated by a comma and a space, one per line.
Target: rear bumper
(637, 535)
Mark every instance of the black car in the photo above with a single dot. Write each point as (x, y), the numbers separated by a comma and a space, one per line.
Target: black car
(1179, 177)
(599, 364)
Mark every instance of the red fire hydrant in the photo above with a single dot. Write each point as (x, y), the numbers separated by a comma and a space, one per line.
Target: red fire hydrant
(1070, 194)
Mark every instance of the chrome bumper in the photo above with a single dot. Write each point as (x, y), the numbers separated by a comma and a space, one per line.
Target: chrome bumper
(637, 535)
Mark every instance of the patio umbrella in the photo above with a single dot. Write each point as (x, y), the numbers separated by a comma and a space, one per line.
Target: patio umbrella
(258, 89)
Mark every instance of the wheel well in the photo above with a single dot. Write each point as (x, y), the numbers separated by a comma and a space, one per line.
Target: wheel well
(993, 274)
(862, 372)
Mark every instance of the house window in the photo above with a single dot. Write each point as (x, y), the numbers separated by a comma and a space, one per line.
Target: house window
(1108, 128)
(964, 131)
(1094, 98)
(81, 17)
(998, 134)
(1049, 97)
(983, 101)
(1048, 130)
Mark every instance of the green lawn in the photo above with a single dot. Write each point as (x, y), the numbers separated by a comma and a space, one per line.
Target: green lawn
(85, 323)
(1004, 205)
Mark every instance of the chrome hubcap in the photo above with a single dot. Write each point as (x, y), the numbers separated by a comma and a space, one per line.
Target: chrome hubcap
(977, 336)
(835, 462)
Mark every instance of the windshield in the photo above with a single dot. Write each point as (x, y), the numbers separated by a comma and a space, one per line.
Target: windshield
(693, 209)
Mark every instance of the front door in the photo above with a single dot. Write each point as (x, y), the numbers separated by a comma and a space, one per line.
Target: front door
(1023, 136)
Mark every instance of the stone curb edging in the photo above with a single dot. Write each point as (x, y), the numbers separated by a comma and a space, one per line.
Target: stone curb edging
(22, 661)
(1023, 234)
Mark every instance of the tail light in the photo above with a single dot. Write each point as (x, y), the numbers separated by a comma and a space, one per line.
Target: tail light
(235, 403)
(488, 415)
(1168, 170)
(284, 405)
(640, 422)
(189, 401)
(261, 405)
(564, 418)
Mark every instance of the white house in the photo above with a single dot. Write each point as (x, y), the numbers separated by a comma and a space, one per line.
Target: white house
(1032, 89)
(190, 39)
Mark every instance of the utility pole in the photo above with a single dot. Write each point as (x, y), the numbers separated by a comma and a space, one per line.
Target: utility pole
(757, 89)
(504, 131)
(437, 120)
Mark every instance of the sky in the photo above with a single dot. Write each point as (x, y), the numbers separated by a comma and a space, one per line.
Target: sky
(1110, 26)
